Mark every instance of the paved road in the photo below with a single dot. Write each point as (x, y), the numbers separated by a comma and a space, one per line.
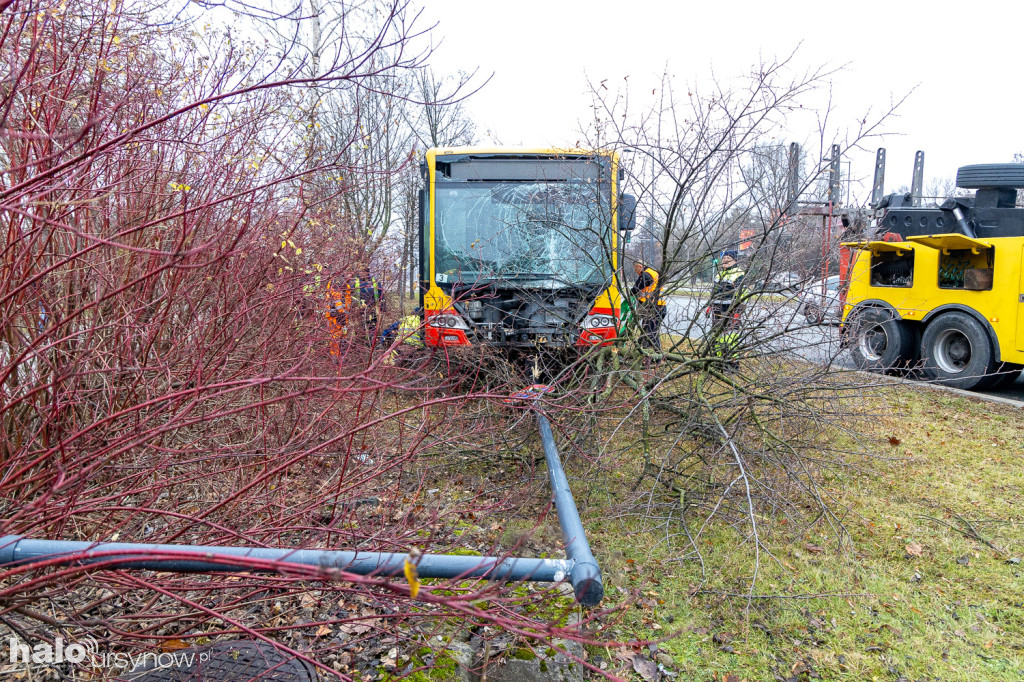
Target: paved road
(779, 326)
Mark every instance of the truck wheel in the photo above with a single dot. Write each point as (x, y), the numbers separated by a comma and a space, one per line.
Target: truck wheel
(881, 343)
(956, 351)
(991, 175)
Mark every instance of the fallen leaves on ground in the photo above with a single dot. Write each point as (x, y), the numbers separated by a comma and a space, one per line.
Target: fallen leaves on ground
(645, 667)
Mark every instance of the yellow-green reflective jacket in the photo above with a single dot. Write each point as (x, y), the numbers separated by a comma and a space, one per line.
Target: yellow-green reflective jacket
(409, 330)
(357, 291)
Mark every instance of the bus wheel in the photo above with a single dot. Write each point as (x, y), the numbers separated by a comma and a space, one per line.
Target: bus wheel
(956, 351)
(881, 343)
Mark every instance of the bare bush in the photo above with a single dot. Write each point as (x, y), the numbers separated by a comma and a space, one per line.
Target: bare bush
(170, 230)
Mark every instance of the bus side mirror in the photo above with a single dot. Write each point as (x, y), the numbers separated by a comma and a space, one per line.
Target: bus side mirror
(627, 213)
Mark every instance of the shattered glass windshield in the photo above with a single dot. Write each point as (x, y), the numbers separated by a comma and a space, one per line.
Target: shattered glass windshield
(523, 230)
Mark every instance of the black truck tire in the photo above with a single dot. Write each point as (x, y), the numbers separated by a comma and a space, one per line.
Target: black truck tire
(991, 175)
(956, 351)
(881, 343)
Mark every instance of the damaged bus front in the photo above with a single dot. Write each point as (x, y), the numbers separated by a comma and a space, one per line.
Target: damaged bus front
(519, 248)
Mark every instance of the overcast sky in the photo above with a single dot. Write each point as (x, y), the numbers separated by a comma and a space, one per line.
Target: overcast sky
(961, 67)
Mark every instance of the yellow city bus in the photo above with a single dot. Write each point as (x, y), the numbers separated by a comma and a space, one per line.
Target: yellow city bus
(519, 247)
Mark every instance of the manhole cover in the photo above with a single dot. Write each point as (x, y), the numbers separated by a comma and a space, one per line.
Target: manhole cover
(240, 660)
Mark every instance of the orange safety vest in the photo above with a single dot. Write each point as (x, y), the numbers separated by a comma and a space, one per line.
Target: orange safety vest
(338, 305)
(652, 287)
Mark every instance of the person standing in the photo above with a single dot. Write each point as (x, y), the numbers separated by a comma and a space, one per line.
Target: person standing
(339, 304)
(650, 306)
(725, 294)
(726, 306)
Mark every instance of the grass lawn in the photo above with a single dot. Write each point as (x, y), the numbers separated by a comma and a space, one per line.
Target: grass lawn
(917, 594)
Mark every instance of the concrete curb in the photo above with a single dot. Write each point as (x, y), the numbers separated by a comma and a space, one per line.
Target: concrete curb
(939, 387)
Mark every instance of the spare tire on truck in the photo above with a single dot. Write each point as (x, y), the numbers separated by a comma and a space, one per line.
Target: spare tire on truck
(991, 176)
(881, 343)
(956, 351)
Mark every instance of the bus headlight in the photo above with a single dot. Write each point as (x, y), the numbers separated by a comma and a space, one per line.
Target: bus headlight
(447, 320)
(599, 322)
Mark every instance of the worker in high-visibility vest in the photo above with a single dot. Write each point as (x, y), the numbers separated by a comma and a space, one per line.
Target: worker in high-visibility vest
(339, 304)
(650, 306)
(726, 307)
(409, 331)
(726, 292)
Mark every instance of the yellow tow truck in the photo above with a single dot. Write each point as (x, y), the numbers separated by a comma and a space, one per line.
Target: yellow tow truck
(937, 292)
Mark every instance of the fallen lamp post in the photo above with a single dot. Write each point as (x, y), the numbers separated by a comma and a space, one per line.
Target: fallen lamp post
(580, 567)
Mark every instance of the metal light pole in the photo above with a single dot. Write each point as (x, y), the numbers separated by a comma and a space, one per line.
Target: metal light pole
(580, 567)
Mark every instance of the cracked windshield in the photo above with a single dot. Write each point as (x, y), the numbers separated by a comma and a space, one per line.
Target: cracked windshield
(551, 231)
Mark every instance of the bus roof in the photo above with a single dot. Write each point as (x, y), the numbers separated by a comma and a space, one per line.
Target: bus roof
(519, 151)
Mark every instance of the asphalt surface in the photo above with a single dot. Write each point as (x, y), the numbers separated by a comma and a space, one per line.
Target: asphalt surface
(779, 326)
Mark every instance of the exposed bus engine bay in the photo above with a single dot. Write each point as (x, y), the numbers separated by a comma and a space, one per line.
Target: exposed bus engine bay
(519, 314)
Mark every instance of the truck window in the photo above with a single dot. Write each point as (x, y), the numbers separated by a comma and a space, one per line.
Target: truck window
(892, 269)
(970, 269)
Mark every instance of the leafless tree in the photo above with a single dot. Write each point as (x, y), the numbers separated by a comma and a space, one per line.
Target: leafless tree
(734, 413)
(439, 118)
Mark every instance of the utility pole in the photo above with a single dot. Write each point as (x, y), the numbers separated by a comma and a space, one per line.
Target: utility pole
(834, 196)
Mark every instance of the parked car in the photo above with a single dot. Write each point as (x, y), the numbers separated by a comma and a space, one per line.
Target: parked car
(820, 302)
(785, 281)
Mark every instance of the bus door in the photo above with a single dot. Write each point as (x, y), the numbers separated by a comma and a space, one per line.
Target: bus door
(1020, 303)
